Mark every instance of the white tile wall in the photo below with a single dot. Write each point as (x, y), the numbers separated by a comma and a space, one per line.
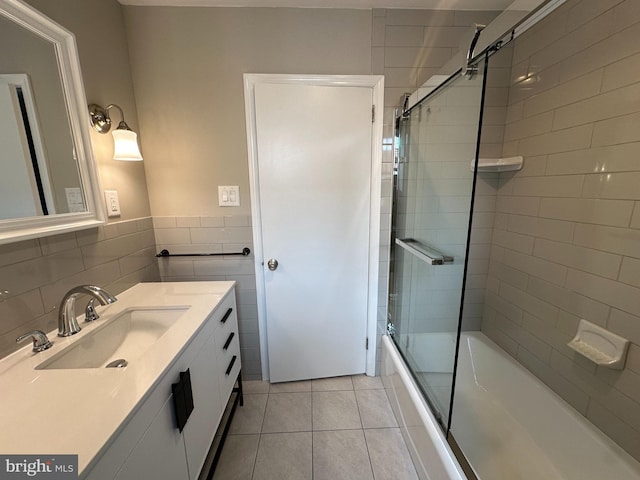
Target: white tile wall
(566, 241)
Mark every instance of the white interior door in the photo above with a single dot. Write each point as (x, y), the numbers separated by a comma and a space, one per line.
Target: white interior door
(314, 182)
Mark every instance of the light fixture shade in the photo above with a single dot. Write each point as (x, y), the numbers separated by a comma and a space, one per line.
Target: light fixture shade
(125, 146)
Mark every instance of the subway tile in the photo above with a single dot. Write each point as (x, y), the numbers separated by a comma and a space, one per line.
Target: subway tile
(19, 252)
(603, 212)
(536, 266)
(612, 185)
(504, 307)
(617, 75)
(540, 36)
(27, 275)
(576, 41)
(172, 236)
(187, 222)
(617, 130)
(600, 54)
(530, 126)
(541, 227)
(623, 241)
(507, 273)
(513, 241)
(630, 272)
(19, 309)
(518, 205)
(468, 18)
(58, 243)
(626, 14)
(569, 301)
(567, 93)
(164, 222)
(549, 186)
(529, 303)
(401, 77)
(524, 338)
(625, 325)
(585, 11)
(593, 261)
(109, 250)
(533, 85)
(607, 105)
(176, 267)
(618, 295)
(574, 138)
(92, 235)
(237, 220)
(615, 158)
(377, 68)
(210, 222)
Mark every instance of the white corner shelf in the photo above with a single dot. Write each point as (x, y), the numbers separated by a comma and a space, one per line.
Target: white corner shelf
(507, 164)
(600, 346)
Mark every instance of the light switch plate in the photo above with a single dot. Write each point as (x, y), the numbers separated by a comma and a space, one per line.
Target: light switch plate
(113, 204)
(228, 196)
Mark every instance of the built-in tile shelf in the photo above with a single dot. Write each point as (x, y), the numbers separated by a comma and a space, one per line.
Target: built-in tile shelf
(497, 164)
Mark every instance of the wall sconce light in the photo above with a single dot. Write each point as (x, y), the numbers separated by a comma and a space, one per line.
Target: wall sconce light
(125, 140)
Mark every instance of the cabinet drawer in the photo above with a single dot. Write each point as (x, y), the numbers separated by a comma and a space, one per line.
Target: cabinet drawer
(226, 312)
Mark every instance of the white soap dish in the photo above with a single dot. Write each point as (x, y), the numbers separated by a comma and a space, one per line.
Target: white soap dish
(600, 346)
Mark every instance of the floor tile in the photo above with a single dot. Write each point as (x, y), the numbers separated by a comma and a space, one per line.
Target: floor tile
(340, 455)
(335, 411)
(250, 387)
(364, 382)
(290, 387)
(389, 456)
(238, 457)
(287, 412)
(330, 384)
(249, 417)
(284, 456)
(375, 410)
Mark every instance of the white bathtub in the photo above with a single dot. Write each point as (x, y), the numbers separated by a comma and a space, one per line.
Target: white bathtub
(508, 423)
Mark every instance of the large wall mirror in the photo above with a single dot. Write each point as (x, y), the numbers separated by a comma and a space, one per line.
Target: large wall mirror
(49, 181)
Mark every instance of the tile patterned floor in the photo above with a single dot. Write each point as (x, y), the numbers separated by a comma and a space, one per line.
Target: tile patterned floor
(328, 429)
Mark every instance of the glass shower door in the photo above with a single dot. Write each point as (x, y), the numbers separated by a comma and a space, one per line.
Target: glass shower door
(437, 142)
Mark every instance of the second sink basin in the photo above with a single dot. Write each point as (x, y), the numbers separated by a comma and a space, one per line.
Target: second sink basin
(126, 336)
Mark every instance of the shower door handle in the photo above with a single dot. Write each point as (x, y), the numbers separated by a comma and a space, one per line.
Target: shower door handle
(272, 264)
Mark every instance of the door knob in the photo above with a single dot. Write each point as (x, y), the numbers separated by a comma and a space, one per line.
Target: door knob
(272, 264)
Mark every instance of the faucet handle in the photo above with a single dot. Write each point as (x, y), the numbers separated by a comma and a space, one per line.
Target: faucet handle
(40, 340)
(90, 313)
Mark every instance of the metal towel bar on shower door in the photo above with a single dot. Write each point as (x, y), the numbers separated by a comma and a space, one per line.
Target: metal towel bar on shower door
(424, 252)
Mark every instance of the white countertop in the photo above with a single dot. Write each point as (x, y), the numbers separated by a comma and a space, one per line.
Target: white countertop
(77, 411)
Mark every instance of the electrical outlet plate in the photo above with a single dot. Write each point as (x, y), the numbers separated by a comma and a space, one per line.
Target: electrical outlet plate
(228, 196)
(113, 204)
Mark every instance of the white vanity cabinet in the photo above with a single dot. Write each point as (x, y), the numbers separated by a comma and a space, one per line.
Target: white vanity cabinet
(150, 445)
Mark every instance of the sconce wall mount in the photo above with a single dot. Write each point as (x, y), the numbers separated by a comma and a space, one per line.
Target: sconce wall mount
(125, 140)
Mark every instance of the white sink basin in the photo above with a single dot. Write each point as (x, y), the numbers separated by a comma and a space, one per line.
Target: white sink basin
(126, 336)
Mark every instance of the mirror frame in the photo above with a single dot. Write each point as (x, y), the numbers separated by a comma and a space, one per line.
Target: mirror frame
(64, 44)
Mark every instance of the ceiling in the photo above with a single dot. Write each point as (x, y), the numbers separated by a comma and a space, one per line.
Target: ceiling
(360, 4)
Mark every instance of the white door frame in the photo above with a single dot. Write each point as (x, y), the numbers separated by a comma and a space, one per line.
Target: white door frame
(376, 84)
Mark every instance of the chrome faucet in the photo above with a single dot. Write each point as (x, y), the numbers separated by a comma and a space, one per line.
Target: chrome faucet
(67, 323)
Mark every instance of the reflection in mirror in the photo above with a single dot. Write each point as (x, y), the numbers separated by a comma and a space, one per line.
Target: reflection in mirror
(49, 183)
(37, 157)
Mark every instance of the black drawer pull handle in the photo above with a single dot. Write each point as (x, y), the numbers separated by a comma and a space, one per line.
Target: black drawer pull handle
(226, 315)
(228, 342)
(230, 367)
